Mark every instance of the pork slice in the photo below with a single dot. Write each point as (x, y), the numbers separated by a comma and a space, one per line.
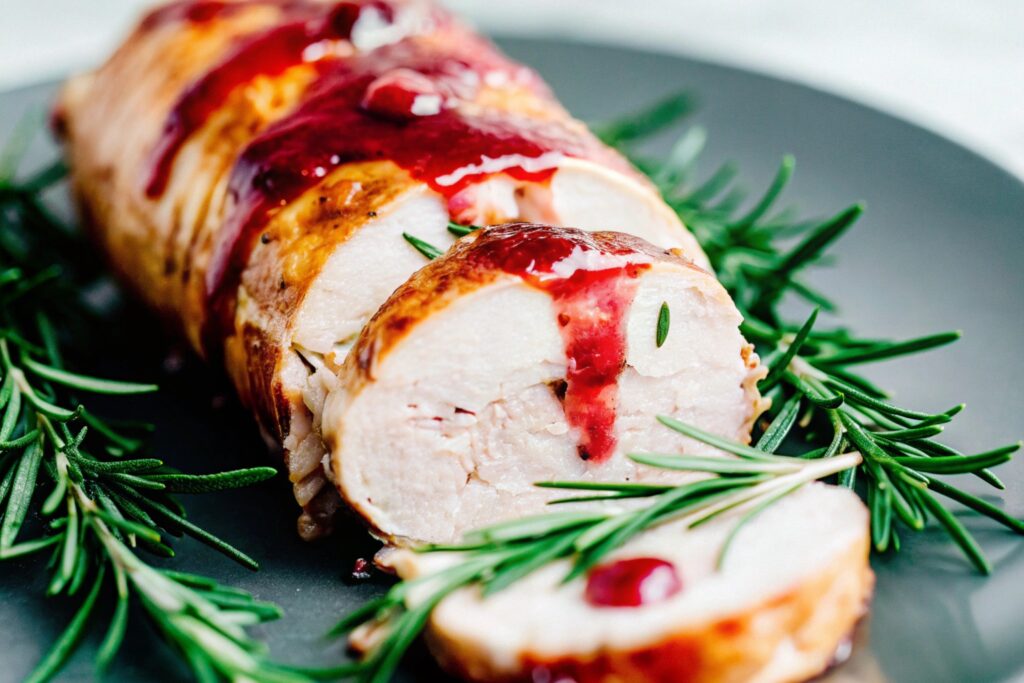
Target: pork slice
(781, 607)
(458, 396)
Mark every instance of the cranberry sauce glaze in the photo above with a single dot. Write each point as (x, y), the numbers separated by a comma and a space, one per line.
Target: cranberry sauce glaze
(302, 25)
(396, 80)
(632, 583)
(592, 284)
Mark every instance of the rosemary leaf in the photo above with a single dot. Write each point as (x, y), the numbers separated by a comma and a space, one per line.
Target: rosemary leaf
(718, 465)
(646, 122)
(425, 248)
(809, 248)
(19, 442)
(977, 504)
(781, 366)
(886, 351)
(747, 517)
(624, 487)
(118, 625)
(68, 640)
(957, 531)
(960, 464)
(664, 321)
(203, 536)
(21, 494)
(208, 483)
(779, 182)
(715, 441)
(460, 230)
(780, 427)
(84, 382)
(28, 547)
(129, 526)
(119, 466)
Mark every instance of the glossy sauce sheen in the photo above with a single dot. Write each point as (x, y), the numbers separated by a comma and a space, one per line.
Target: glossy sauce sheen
(592, 288)
(403, 102)
(634, 582)
(267, 53)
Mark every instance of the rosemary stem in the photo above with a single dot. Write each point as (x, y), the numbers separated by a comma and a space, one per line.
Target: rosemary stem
(812, 471)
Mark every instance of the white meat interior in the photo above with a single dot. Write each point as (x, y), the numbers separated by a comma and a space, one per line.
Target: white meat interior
(461, 418)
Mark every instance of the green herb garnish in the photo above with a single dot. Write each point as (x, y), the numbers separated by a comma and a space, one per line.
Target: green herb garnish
(422, 246)
(664, 320)
(79, 487)
(460, 230)
(814, 372)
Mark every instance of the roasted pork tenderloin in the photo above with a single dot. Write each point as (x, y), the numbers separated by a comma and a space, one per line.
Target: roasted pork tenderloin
(254, 171)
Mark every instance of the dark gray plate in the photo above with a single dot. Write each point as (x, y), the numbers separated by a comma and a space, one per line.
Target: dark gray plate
(939, 249)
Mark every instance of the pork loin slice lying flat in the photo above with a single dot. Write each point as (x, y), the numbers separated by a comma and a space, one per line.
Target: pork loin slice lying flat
(248, 168)
(792, 587)
(527, 354)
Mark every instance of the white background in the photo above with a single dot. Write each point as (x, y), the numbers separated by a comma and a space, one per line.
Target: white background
(954, 66)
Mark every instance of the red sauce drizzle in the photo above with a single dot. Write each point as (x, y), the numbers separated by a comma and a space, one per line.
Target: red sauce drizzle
(592, 286)
(363, 109)
(632, 583)
(267, 53)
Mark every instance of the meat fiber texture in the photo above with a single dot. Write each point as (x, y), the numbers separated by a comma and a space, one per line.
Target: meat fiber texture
(782, 606)
(329, 257)
(450, 407)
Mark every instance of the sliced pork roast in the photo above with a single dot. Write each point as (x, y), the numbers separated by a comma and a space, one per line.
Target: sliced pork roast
(528, 354)
(782, 606)
(249, 167)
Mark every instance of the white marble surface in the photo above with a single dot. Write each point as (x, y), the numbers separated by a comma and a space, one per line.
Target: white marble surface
(956, 66)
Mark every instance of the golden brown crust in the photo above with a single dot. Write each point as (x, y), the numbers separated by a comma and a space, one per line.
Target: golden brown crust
(283, 266)
(791, 637)
(111, 120)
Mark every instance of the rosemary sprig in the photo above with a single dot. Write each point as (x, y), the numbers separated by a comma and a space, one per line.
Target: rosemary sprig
(101, 501)
(496, 557)
(759, 255)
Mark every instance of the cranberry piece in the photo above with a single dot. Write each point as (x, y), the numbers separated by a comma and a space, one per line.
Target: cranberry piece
(632, 583)
(402, 94)
(361, 569)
